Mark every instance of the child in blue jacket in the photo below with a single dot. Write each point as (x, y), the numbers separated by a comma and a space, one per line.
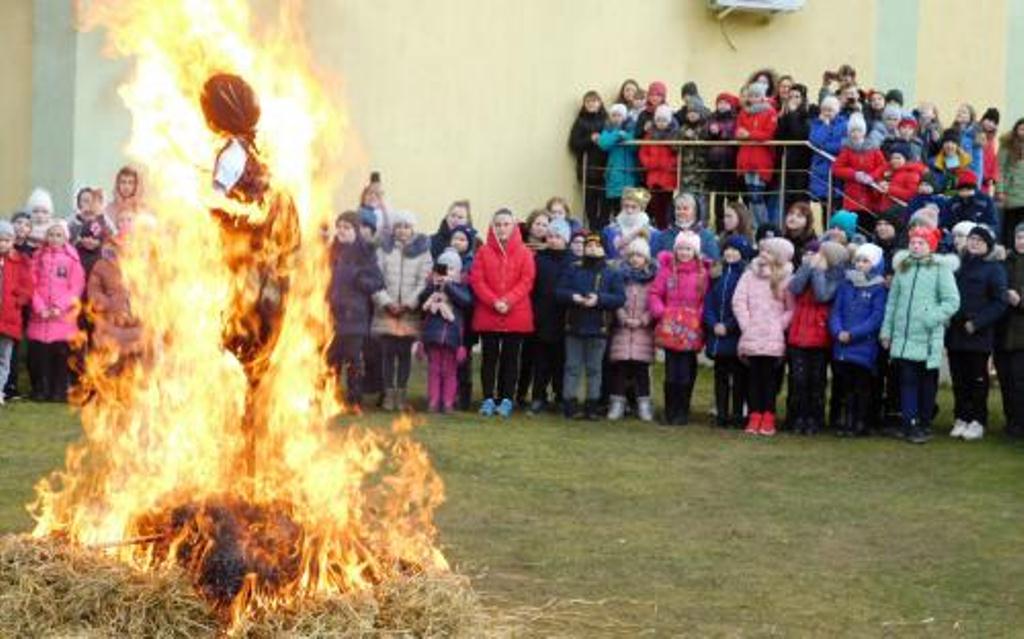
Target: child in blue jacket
(854, 324)
(723, 333)
(590, 290)
(622, 166)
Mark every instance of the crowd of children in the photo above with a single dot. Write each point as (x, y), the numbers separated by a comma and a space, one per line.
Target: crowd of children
(60, 287)
(919, 264)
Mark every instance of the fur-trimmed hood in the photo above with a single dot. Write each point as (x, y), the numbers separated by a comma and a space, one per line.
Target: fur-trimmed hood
(860, 280)
(418, 245)
(948, 260)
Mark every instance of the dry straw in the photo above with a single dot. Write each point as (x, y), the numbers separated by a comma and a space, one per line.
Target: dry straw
(49, 588)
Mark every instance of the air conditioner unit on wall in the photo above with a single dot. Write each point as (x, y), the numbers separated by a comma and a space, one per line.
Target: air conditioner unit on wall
(724, 7)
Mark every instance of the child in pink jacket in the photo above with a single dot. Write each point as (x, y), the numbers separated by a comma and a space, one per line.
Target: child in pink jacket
(56, 301)
(676, 300)
(763, 307)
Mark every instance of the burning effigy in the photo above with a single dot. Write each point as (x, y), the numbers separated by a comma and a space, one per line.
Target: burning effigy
(214, 475)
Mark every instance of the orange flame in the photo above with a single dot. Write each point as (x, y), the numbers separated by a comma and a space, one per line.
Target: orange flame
(166, 430)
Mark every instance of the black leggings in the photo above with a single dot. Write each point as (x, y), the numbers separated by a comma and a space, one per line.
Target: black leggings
(807, 384)
(630, 372)
(397, 360)
(500, 364)
(852, 386)
(347, 361)
(48, 368)
(548, 361)
(969, 371)
(681, 367)
(762, 383)
(730, 382)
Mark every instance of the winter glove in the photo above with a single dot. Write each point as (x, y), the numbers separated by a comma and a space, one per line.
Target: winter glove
(460, 354)
(418, 351)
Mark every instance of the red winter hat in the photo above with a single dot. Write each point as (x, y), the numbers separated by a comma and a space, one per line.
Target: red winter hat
(657, 88)
(931, 236)
(966, 179)
(733, 100)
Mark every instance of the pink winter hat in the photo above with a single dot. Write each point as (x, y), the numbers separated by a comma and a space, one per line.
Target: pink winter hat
(687, 238)
(778, 247)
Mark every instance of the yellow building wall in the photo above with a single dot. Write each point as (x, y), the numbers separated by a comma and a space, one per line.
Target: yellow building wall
(16, 103)
(961, 55)
(474, 98)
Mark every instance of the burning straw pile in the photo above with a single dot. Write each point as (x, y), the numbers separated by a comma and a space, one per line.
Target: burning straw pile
(49, 588)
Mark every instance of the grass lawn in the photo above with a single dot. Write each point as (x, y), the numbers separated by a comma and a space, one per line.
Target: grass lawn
(643, 530)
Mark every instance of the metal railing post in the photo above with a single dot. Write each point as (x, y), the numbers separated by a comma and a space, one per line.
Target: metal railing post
(586, 157)
(830, 187)
(782, 186)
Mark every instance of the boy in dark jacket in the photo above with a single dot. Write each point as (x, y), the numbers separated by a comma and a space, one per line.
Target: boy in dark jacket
(590, 289)
(970, 205)
(549, 316)
(854, 323)
(355, 277)
(723, 333)
(1010, 351)
(444, 302)
(981, 282)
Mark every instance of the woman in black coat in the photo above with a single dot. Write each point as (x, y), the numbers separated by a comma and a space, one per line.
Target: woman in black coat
(795, 125)
(583, 143)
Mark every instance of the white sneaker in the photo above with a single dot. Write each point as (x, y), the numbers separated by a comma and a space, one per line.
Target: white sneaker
(959, 428)
(974, 432)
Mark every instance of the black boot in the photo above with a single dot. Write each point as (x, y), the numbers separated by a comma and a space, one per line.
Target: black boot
(592, 410)
(569, 409)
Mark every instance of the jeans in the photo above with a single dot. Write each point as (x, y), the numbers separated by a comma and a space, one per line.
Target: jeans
(918, 386)
(758, 205)
(397, 360)
(969, 371)
(500, 364)
(583, 354)
(762, 383)
(442, 376)
(7, 346)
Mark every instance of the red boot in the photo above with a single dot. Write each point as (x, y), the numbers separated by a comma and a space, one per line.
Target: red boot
(753, 424)
(768, 424)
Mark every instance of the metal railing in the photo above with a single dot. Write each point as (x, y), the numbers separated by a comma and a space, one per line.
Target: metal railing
(782, 169)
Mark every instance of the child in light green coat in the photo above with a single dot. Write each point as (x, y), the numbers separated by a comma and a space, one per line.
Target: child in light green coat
(922, 299)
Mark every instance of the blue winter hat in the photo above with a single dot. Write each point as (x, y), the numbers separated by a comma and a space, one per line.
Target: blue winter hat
(741, 244)
(468, 231)
(845, 221)
(560, 227)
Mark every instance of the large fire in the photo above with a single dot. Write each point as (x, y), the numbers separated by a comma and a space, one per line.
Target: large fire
(196, 454)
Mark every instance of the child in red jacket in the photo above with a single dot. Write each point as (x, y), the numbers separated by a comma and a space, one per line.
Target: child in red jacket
(15, 294)
(856, 165)
(899, 179)
(814, 286)
(757, 123)
(661, 164)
